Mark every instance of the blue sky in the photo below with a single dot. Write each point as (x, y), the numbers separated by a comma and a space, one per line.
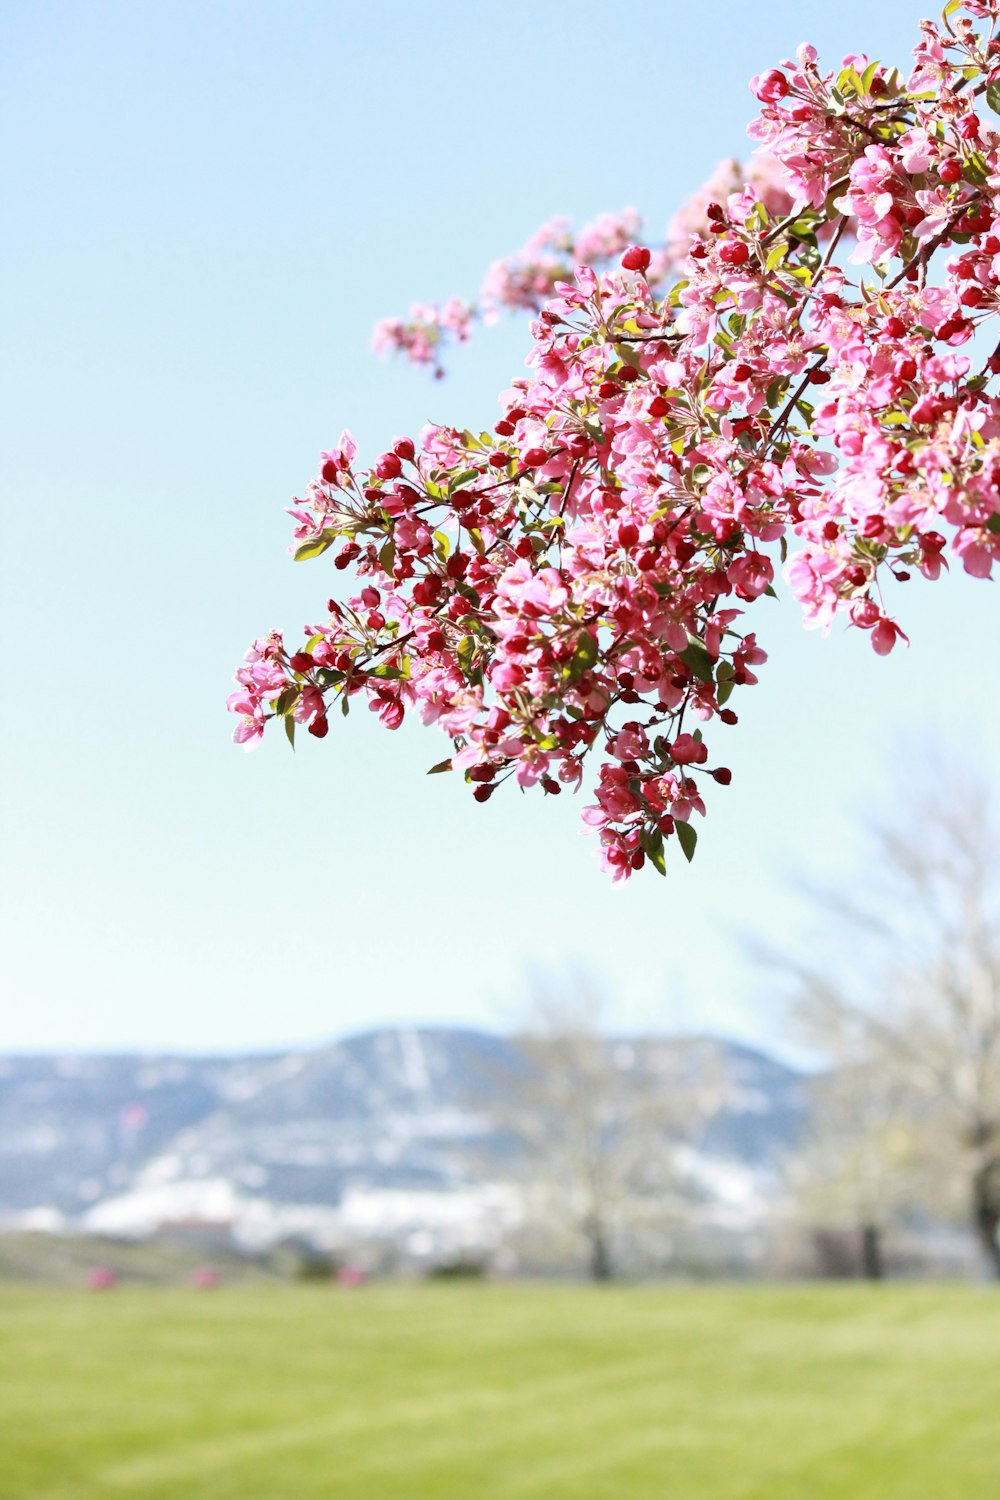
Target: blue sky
(209, 205)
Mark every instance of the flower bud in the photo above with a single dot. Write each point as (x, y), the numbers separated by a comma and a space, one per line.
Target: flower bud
(734, 253)
(636, 258)
(388, 467)
(769, 87)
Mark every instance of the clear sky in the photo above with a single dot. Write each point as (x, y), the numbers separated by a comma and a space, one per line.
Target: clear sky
(208, 204)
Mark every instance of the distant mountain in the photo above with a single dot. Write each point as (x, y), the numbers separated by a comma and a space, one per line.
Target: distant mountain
(383, 1135)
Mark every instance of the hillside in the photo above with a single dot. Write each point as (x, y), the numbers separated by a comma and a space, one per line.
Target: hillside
(385, 1134)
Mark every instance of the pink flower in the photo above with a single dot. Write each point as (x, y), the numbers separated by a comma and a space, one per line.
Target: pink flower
(535, 594)
(560, 595)
(769, 87)
(885, 634)
(687, 751)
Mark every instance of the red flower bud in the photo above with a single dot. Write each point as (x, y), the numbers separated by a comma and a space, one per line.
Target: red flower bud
(769, 87)
(734, 253)
(388, 467)
(319, 726)
(636, 258)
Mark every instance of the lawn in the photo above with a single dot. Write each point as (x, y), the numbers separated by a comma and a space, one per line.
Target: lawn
(469, 1392)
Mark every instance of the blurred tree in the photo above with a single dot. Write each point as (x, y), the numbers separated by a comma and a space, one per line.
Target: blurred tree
(596, 1123)
(858, 1169)
(918, 1023)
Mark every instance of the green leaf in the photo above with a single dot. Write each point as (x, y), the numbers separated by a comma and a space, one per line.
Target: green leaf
(848, 83)
(387, 557)
(804, 228)
(696, 658)
(776, 255)
(975, 168)
(442, 765)
(290, 730)
(993, 97)
(461, 479)
(687, 837)
(314, 548)
(652, 843)
(464, 651)
(585, 654)
(993, 524)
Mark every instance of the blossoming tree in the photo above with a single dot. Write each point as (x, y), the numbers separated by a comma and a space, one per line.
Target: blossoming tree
(802, 374)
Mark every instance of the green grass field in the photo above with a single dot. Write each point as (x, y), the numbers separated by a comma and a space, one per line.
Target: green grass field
(274, 1392)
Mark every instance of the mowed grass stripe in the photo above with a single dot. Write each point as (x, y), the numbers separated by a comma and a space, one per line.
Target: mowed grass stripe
(401, 1393)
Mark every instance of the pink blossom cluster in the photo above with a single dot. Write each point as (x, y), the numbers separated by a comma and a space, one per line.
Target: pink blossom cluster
(524, 281)
(521, 283)
(577, 583)
(761, 176)
(420, 337)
